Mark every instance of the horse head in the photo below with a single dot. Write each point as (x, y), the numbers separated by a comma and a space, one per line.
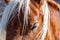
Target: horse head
(26, 20)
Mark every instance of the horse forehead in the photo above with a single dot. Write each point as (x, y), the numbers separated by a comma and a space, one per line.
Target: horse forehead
(33, 18)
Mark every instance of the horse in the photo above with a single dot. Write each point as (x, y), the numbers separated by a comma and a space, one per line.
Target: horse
(30, 20)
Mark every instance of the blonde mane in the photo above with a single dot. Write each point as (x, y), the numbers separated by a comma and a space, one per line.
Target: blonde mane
(46, 19)
(24, 4)
(8, 12)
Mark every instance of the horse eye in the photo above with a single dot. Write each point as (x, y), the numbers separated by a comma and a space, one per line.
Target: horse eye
(34, 26)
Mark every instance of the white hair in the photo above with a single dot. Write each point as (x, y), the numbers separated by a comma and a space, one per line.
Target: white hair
(8, 12)
(22, 4)
(46, 21)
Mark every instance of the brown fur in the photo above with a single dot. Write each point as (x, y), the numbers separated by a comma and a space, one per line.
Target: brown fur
(14, 29)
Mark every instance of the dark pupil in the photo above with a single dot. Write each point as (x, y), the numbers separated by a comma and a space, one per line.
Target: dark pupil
(34, 26)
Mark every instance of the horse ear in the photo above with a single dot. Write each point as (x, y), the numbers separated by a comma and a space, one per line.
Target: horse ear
(7, 1)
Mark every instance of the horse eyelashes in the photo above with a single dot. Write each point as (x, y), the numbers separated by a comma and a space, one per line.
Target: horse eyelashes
(34, 26)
